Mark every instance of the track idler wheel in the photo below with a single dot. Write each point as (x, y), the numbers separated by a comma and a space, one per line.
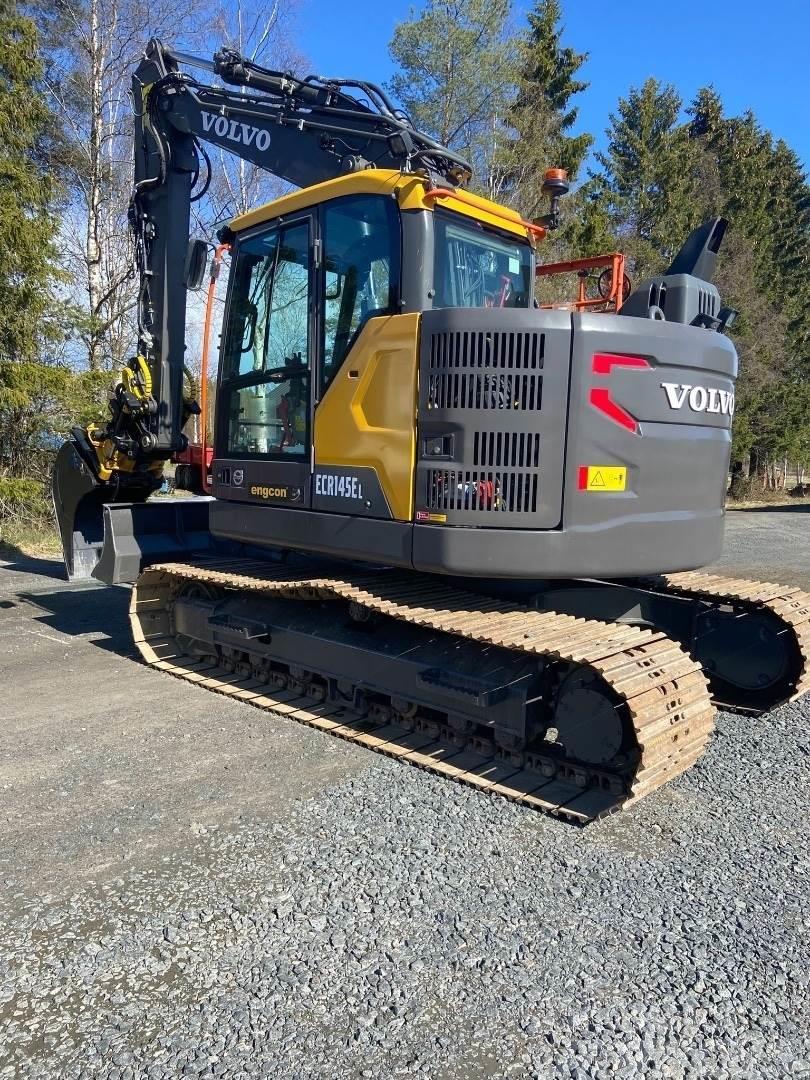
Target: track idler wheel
(590, 725)
(380, 713)
(744, 656)
(405, 712)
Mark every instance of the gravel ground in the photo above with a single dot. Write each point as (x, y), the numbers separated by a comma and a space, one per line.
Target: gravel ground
(772, 544)
(193, 888)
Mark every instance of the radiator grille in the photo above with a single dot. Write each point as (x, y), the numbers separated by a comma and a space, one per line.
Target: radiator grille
(519, 449)
(494, 349)
(481, 491)
(493, 392)
(461, 390)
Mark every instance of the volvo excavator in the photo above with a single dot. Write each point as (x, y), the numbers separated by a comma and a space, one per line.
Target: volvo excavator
(446, 522)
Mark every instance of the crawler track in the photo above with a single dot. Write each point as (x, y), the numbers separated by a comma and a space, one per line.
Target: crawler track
(790, 605)
(661, 688)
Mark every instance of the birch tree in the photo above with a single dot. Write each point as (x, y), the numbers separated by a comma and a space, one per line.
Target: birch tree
(92, 49)
(264, 34)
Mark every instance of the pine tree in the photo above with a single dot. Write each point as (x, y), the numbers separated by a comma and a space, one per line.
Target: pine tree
(788, 206)
(546, 88)
(706, 112)
(644, 184)
(540, 123)
(456, 70)
(28, 255)
(739, 171)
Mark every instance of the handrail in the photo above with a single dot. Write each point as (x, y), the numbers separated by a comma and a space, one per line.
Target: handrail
(493, 210)
(618, 280)
(206, 345)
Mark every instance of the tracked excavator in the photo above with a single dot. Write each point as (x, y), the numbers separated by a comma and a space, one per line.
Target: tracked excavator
(446, 522)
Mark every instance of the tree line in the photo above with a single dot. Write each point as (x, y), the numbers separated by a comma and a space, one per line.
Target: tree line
(67, 290)
(508, 99)
(506, 96)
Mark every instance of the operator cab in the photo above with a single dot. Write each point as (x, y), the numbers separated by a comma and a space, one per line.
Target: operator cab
(307, 277)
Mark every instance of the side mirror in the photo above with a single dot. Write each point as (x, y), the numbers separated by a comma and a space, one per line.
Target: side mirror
(196, 261)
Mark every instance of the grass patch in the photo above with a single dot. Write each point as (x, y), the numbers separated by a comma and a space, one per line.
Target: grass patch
(40, 540)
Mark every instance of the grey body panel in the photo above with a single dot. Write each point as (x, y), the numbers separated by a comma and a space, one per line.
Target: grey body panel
(684, 293)
(349, 537)
(679, 297)
(617, 549)
(670, 517)
(492, 394)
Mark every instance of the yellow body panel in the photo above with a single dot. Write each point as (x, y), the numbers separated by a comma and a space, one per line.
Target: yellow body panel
(410, 192)
(367, 417)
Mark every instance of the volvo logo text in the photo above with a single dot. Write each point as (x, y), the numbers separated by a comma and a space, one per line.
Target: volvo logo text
(235, 131)
(699, 398)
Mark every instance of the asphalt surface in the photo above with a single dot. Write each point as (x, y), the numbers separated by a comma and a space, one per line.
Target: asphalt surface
(772, 544)
(191, 887)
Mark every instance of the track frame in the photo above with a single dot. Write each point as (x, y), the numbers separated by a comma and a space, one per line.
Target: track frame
(662, 689)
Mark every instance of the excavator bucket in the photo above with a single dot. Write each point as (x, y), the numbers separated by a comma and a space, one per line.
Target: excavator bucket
(113, 541)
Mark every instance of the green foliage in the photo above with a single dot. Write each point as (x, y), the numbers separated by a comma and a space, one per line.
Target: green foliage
(456, 74)
(644, 187)
(741, 172)
(543, 113)
(540, 123)
(660, 177)
(29, 315)
(22, 502)
(39, 403)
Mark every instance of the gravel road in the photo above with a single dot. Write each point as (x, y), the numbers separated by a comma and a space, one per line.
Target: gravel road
(772, 544)
(195, 888)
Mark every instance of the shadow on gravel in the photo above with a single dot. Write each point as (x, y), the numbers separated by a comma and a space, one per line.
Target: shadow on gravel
(799, 508)
(101, 612)
(13, 558)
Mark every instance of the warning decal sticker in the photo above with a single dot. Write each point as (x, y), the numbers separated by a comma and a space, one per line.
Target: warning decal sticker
(602, 478)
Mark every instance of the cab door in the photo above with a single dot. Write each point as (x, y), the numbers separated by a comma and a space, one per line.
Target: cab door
(264, 414)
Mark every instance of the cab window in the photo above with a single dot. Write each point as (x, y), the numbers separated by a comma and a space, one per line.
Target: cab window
(360, 272)
(475, 266)
(266, 357)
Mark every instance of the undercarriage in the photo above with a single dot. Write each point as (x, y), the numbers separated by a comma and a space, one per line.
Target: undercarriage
(575, 716)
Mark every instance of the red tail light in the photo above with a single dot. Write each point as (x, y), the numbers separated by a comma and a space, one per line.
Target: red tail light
(603, 364)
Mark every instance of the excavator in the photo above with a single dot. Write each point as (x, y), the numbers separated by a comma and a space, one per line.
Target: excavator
(445, 522)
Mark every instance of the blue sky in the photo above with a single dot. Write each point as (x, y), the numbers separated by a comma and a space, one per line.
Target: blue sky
(755, 54)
